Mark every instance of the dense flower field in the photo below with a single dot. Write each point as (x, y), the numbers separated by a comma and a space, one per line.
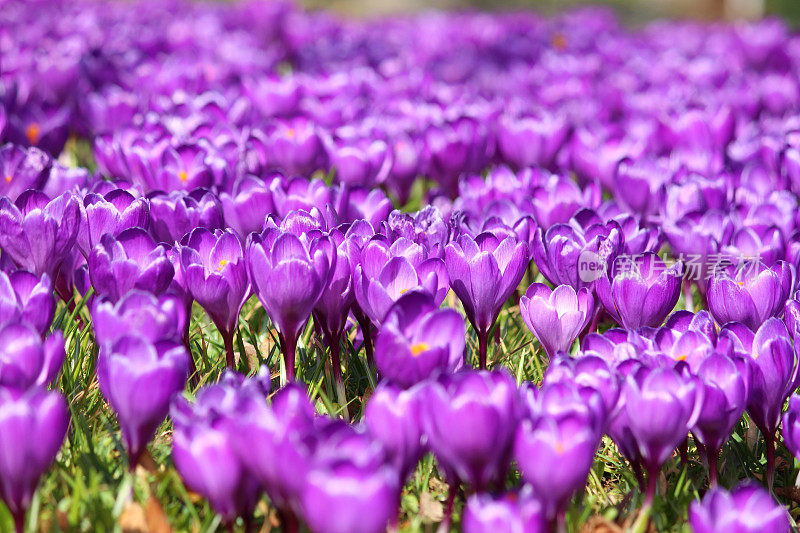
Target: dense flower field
(266, 268)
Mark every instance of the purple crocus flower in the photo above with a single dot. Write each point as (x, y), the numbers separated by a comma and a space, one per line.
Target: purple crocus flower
(247, 206)
(748, 508)
(202, 447)
(27, 361)
(385, 272)
(588, 374)
(289, 274)
(554, 454)
(470, 419)
(773, 377)
(215, 274)
(139, 380)
(561, 251)
(659, 406)
(725, 381)
(132, 260)
(749, 294)
(333, 307)
(556, 317)
(640, 291)
(185, 167)
(110, 214)
(392, 417)
(139, 313)
(283, 439)
(294, 146)
(174, 215)
(37, 233)
(417, 340)
(27, 298)
(514, 512)
(341, 495)
(27, 413)
(22, 169)
(483, 273)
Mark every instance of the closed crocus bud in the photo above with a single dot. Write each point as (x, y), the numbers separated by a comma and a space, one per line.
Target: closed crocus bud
(174, 215)
(483, 273)
(202, 447)
(359, 161)
(139, 380)
(247, 206)
(556, 317)
(554, 454)
(418, 340)
(28, 298)
(28, 361)
(749, 294)
(22, 169)
(132, 260)
(514, 512)
(748, 508)
(110, 214)
(392, 417)
(791, 426)
(289, 274)
(33, 423)
(215, 274)
(37, 233)
(470, 419)
(139, 313)
(660, 406)
(640, 291)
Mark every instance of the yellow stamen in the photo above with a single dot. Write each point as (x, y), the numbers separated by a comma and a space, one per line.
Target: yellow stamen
(559, 447)
(8, 178)
(419, 347)
(183, 176)
(290, 133)
(222, 264)
(32, 132)
(559, 41)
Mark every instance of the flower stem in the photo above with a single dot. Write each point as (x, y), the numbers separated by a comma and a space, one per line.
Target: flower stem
(336, 369)
(230, 357)
(769, 445)
(713, 458)
(19, 521)
(483, 345)
(289, 347)
(289, 521)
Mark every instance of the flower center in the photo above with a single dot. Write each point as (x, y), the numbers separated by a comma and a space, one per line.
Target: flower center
(183, 176)
(32, 132)
(419, 347)
(222, 264)
(8, 178)
(290, 133)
